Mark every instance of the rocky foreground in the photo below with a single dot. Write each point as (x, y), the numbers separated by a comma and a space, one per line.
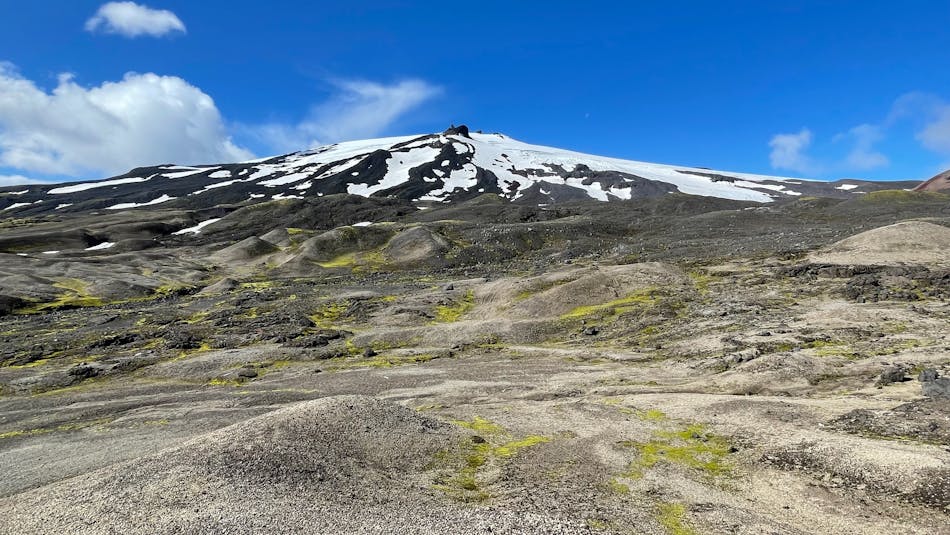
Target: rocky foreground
(672, 366)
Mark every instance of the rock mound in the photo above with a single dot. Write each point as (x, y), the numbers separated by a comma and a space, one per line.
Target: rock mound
(907, 242)
(243, 250)
(298, 469)
(417, 245)
(562, 292)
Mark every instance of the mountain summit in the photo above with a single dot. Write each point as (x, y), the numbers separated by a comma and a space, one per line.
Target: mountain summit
(454, 165)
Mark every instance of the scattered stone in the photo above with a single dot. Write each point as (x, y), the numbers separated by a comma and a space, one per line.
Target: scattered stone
(934, 386)
(590, 331)
(247, 373)
(8, 304)
(84, 371)
(891, 374)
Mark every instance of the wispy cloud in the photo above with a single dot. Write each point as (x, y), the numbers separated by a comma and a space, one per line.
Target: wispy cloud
(16, 180)
(133, 20)
(863, 156)
(927, 114)
(788, 152)
(358, 109)
(142, 119)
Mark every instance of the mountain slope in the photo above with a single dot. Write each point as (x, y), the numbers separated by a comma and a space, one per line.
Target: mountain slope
(940, 182)
(452, 166)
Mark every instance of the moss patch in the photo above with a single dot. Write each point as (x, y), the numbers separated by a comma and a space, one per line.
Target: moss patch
(672, 516)
(692, 447)
(76, 295)
(642, 299)
(652, 415)
(454, 312)
(329, 314)
(357, 262)
(480, 425)
(219, 381)
(354, 360)
(463, 476)
(60, 428)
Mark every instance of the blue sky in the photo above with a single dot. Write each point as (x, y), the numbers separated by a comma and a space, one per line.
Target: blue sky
(814, 89)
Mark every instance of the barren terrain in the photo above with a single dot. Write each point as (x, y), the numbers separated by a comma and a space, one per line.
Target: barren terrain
(676, 366)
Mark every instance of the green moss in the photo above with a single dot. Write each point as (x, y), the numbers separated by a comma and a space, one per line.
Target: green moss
(701, 280)
(540, 287)
(357, 262)
(205, 346)
(672, 516)
(463, 485)
(257, 286)
(611, 310)
(34, 364)
(194, 318)
(617, 487)
(480, 425)
(902, 345)
(652, 415)
(218, 381)
(465, 480)
(833, 348)
(327, 316)
(171, 288)
(160, 422)
(354, 360)
(75, 296)
(692, 447)
(510, 449)
(60, 428)
(454, 312)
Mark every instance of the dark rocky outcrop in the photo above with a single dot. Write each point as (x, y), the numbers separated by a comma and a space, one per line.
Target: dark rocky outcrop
(934, 386)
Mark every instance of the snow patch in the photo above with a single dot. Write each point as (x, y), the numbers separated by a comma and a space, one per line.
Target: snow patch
(20, 205)
(124, 205)
(398, 166)
(75, 188)
(197, 228)
(101, 246)
(191, 171)
(847, 187)
(284, 180)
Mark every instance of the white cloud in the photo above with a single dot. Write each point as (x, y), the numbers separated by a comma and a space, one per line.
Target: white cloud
(132, 20)
(16, 180)
(935, 135)
(359, 109)
(863, 157)
(788, 152)
(143, 119)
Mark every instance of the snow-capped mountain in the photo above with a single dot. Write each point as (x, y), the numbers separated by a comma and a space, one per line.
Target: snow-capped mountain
(454, 165)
